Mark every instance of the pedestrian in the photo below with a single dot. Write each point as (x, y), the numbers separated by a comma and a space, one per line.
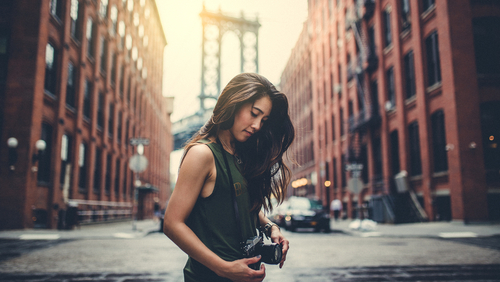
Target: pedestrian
(243, 147)
(336, 207)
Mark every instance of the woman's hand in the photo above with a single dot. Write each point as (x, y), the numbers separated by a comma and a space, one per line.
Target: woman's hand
(278, 238)
(239, 270)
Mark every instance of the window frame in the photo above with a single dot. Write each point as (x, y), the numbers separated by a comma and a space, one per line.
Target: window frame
(409, 75)
(50, 81)
(433, 60)
(438, 127)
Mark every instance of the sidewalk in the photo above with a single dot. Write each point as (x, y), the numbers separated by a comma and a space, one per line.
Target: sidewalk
(123, 230)
(144, 227)
(453, 229)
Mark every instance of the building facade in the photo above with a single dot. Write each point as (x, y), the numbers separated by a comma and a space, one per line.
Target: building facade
(85, 77)
(405, 107)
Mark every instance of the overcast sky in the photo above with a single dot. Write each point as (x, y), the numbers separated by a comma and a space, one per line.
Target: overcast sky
(281, 23)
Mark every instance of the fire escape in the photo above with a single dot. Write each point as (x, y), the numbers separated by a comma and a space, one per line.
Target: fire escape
(400, 207)
(359, 70)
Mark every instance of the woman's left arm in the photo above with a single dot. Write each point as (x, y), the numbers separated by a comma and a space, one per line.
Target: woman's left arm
(276, 236)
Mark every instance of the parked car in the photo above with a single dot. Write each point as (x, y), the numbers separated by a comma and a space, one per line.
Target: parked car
(278, 214)
(303, 212)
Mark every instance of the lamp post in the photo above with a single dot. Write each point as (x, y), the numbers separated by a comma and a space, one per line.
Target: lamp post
(328, 183)
(40, 146)
(12, 144)
(138, 163)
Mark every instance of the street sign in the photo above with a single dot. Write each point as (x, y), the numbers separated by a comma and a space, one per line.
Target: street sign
(137, 141)
(354, 167)
(355, 185)
(138, 163)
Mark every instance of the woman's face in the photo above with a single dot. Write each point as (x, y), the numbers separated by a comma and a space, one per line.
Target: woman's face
(250, 118)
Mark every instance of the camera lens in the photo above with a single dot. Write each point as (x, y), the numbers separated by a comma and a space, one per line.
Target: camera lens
(271, 253)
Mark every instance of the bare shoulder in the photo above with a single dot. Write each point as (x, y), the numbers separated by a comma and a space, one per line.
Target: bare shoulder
(198, 155)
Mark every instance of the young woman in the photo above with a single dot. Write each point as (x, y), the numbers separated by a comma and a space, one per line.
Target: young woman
(248, 134)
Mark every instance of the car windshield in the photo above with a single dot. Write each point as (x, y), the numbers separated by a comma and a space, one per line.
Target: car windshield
(305, 204)
(301, 204)
(316, 205)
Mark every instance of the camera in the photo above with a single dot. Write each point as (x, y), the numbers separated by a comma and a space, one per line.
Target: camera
(270, 253)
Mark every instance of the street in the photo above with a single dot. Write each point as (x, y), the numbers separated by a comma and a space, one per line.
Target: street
(335, 256)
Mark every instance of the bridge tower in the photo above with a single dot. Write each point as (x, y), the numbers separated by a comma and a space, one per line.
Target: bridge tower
(215, 25)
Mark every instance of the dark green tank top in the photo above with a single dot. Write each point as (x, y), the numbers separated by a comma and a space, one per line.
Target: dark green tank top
(213, 218)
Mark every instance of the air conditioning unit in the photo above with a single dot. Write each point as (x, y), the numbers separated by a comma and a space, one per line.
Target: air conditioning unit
(388, 106)
(402, 181)
(337, 88)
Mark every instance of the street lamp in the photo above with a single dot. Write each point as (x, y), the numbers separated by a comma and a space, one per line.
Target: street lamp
(328, 183)
(12, 144)
(40, 146)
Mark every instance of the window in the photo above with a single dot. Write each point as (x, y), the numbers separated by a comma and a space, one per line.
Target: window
(341, 112)
(374, 96)
(90, 38)
(335, 173)
(4, 42)
(121, 32)
(70, 86)
(433, 65)
(405, 14)
(122, 82)
(427, 4)
(124, 191)
(377, 158)
(113, 69)
(127, 125)
(97, 170)
(119, 128)
(82, 164)
(111, 119)
(65, 158)
(50, 69)
(100, 111)
(44, 162)
(371, 41)
(333, 127)
(387, 28)
(107, 186)
(414, 139)
(344, 172)
(75, 20)
(439, 141)
(114, 18)
(391, 97)
(117, 178)
(409, 66)
(486, 42)
(56, 8)
(86, 99)
(104, 52)
(103, 9)
(395, 152)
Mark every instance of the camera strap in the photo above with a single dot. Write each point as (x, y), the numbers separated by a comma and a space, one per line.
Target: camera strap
(233, 193)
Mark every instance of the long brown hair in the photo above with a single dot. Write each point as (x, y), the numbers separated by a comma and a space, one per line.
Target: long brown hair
(263, 153)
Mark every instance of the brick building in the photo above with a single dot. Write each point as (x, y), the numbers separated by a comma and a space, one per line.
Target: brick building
(405, 107)
(84, 76)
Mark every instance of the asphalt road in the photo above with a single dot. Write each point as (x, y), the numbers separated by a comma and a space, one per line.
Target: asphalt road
(312, 257)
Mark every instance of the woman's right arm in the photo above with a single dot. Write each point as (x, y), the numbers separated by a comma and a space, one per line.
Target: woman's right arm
(198, 169)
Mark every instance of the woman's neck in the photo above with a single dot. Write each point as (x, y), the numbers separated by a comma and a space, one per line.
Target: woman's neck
(227, 141)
